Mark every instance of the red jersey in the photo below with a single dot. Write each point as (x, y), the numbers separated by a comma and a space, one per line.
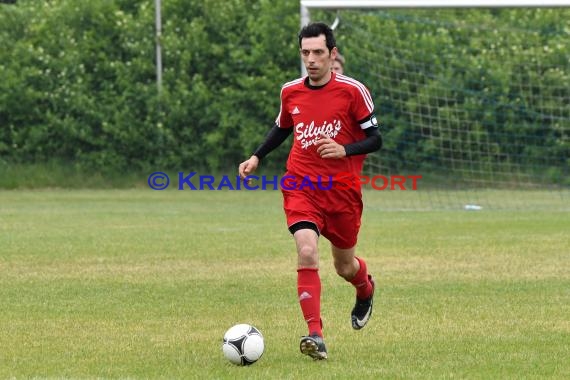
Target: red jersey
(341, 109)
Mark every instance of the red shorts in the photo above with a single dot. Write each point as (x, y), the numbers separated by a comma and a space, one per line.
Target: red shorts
(335, 212)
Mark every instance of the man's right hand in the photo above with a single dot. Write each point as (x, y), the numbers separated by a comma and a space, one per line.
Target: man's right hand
(248, 167)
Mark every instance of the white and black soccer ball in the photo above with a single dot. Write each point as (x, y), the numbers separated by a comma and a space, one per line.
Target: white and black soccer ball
(243, 344)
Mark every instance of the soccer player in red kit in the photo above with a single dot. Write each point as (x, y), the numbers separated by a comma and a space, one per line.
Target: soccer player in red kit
(331, 117)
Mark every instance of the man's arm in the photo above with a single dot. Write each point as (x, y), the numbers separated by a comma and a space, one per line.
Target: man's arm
(371, 143)
(274, 138)
(328, 148)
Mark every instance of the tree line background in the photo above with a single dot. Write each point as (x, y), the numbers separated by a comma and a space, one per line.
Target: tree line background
(78, 82)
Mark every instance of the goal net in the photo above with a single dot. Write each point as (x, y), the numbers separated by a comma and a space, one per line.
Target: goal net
(475, 100)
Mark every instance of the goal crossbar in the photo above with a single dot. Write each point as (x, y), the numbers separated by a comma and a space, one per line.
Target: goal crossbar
(352, 4)
(306, 5)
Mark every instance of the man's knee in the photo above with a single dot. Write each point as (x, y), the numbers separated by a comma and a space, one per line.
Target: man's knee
(345, 263)
(345, 270)
(308, 255)
(306, 240)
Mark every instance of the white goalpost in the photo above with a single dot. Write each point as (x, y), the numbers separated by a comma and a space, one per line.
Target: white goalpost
(307, 5)
(473, 95)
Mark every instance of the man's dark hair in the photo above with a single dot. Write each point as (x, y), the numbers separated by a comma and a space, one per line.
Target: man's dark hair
(316, 29)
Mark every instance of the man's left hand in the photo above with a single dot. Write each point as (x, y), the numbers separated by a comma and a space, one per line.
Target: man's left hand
(328, 148)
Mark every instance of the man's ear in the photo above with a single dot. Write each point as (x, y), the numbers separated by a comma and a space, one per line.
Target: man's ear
(334, 52)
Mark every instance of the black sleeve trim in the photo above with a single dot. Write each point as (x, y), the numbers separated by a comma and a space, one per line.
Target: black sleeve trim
(371, 143)
(274, 138)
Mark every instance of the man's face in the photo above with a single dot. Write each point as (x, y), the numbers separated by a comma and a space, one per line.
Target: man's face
(337, 67)
(317, 59)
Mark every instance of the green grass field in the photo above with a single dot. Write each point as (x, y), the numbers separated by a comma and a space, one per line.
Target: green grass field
(142, 284)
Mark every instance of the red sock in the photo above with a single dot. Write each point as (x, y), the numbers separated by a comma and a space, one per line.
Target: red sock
(309, 292)
(360, 281)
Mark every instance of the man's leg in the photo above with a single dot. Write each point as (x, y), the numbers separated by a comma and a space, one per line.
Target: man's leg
(305, 220)
(353, 269)
(309, 291)
(308, 280)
